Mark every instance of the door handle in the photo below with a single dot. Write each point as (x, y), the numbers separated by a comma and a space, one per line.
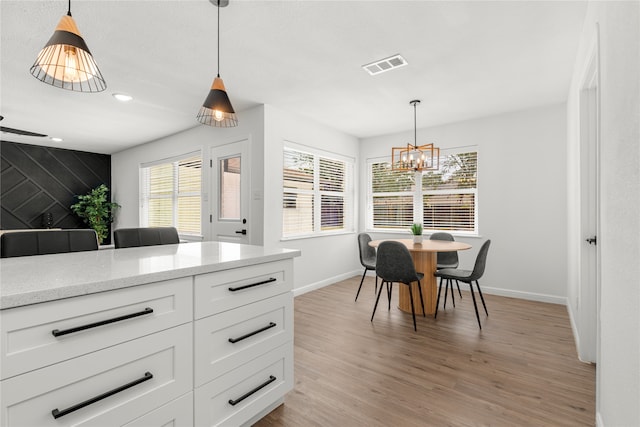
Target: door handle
(243, 231)
(591, 240)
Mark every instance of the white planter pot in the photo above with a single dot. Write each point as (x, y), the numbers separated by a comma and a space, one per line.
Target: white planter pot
(417, 239)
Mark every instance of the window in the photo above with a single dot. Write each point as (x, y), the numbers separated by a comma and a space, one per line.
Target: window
(171, 194)
(441, 200)
(316, 195)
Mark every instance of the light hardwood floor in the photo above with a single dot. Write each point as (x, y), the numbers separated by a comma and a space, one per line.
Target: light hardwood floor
(520, 370)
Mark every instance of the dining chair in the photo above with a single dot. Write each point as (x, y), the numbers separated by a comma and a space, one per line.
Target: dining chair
(145, 236)
(394, 264)
(28, 243)
(447, 260)
(467, 276)
(367, 259)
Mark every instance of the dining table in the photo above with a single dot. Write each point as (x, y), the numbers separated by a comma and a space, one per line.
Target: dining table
(424, 257)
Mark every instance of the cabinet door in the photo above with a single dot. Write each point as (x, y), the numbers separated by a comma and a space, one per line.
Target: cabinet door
(177, 413)
(232, 338)
(104, 388)
(241, 394)
(225, 290)
(28, 341)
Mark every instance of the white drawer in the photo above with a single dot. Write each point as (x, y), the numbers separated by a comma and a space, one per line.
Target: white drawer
(177, 413)
(27, 341)
(273, 371)
(227, 289)
(255, 329)
(29, 399)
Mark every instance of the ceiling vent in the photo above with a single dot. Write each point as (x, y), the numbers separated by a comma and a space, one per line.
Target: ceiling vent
(390, 63)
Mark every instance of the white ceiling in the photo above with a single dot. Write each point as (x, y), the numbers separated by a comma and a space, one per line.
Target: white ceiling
(466, 60)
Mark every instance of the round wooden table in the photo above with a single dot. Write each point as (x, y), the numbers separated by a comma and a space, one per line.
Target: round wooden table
(425, 260)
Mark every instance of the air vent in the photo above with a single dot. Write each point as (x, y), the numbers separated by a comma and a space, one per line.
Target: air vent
(390, 63)
(20, 132)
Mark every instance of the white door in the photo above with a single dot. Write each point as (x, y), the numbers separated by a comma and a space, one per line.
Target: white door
(589, 222)
(230, 189)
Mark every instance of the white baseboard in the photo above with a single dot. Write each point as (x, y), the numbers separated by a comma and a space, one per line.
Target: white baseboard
(599, 422)
(532, 296)
(326, 282)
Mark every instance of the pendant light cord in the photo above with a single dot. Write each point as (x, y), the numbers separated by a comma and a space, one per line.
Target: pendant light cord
(218, 37)
(415, 130)
(69, 9)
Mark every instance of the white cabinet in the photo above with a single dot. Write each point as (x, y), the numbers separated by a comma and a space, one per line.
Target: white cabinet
(205, 349)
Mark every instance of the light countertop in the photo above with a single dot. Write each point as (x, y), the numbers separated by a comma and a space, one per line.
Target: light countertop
(35, 279)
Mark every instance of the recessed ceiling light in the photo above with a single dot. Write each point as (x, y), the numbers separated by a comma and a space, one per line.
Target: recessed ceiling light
(122, 97)
(55, 139)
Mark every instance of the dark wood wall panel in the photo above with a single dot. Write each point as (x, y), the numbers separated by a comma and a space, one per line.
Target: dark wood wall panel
(35, 180)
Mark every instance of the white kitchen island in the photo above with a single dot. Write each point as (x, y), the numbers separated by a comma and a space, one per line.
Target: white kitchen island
(194, 334)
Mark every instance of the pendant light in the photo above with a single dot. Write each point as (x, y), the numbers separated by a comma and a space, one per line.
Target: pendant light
(66, 62)
(415, 157)
(217, 110)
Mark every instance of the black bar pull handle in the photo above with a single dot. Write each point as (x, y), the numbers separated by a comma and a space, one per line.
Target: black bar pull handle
(250, 334)
(264, 282)
(61, 413)
(57, 332)
(233, 402)
(243, 231)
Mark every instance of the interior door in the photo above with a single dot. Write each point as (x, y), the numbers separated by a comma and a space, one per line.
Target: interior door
(231, 202)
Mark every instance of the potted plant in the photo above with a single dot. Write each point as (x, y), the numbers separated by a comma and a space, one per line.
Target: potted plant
(96, 210)
(416, 230)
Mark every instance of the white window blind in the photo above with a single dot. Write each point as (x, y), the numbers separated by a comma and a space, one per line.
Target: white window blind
(316, 195)
(171, 194)
(445, 199)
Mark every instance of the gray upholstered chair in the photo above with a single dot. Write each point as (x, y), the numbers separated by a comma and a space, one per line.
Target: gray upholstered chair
(146, 236)
(447, 260)
(367, 259)
(467, 276)
(394, 264)
(28, 243)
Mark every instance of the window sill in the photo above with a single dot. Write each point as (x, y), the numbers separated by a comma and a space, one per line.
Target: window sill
(313, 236)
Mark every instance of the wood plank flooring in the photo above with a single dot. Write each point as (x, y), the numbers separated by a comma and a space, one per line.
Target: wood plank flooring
(520, 370)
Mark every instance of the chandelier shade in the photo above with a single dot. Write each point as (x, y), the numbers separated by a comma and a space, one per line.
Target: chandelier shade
(217, 110)
(414, 157)
(66, 61)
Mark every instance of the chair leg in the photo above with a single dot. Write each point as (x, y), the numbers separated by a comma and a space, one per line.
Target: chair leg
(377, 299)
(457, 284)
(375, 290)
(453, 301)
(421, 300)
(438, 299)
(361, 282)
(413, 310)
(389, 292)
(446, 290)
(482, 298)
(474, 304)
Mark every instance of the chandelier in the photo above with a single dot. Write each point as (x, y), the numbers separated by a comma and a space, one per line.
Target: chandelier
(415, 157)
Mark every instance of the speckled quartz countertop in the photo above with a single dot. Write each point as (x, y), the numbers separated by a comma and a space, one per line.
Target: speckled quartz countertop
(36, 279)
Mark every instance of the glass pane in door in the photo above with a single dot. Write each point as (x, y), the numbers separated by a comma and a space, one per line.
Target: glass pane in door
(230, 188)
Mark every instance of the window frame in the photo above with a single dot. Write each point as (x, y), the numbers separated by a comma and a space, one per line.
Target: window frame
(143, 216)
(317, 194)
(418, 194)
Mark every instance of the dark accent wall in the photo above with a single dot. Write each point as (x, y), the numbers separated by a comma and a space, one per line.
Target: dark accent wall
(36, 179)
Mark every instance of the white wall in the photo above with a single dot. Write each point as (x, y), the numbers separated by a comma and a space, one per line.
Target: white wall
(326, 259)
(618, 369)
(521, 196)
(125, 167)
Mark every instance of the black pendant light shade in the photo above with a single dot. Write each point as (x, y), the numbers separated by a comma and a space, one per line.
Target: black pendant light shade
(66, 61)
(217, 110)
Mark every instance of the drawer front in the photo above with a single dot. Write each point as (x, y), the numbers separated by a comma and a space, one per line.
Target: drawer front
(252, 387)
(27, 341)
(228, 289)
(254, 329)
(177, 413)
(151, 371)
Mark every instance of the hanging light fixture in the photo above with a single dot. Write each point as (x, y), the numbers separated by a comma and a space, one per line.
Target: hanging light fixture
(66, 62)
(415, 157)
(217, 109)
